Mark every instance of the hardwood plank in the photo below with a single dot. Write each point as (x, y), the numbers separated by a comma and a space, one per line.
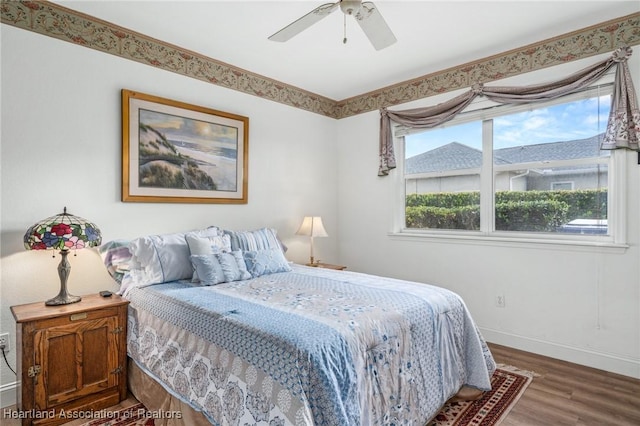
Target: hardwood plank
(563, 393)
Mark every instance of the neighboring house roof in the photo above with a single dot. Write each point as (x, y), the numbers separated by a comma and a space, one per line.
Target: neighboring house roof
(457, 156)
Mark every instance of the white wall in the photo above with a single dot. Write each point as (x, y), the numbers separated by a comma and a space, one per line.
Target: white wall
(61, 146)
(573, 304)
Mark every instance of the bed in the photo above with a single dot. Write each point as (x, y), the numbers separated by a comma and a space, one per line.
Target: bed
(242, 336)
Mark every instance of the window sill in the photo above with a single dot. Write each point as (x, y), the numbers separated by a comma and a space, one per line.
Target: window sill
(524, 241)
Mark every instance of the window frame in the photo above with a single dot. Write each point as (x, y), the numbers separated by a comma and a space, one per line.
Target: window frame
(485, 111)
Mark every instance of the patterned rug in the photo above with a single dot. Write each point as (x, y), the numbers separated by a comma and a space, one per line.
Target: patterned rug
(136, 415)
(508, 384)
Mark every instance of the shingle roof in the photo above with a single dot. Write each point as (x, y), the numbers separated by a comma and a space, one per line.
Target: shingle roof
(457, 156)
(452, 156)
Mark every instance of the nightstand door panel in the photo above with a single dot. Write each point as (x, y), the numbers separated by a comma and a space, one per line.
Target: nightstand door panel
(96, 356)
(61, 358)
(77, 359)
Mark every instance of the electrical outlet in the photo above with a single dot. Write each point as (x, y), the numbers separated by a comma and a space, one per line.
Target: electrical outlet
(500, 302)
(4, 342)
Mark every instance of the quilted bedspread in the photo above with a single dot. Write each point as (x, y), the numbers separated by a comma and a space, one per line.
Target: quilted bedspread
(308, 347)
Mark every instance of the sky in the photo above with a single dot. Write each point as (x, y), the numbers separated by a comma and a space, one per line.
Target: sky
(568, 121)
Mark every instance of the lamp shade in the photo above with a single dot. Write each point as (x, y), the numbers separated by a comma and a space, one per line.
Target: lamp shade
(63, 231)
(312, 227)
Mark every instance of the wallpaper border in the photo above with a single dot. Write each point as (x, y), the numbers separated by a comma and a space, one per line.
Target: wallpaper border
(65, 24)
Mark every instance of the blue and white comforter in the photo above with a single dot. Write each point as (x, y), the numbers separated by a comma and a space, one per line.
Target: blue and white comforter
(309, 347)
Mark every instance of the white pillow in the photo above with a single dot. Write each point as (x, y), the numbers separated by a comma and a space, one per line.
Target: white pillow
(212, 244)
(165, 258)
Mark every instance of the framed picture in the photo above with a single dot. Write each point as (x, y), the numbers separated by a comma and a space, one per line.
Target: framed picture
(173, 152)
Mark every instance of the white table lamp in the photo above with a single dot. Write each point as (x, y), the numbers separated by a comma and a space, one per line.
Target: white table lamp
(312, 227)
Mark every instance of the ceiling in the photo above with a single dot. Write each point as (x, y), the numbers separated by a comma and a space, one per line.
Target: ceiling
(432, 35)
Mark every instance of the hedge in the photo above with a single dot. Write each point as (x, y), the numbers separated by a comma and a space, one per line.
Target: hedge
(515, 210)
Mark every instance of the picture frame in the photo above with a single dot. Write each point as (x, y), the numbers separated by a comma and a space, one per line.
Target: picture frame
(175, 152)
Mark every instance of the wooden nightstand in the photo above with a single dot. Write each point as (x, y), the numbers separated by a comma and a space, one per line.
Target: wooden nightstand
(70, 357)
(326, 266)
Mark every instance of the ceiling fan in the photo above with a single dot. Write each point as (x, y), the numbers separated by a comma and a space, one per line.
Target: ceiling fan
(366, 14)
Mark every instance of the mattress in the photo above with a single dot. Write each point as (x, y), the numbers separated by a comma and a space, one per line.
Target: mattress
(308, 347)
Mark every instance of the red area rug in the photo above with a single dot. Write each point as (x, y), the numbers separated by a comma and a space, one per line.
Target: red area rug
(507, 386)
(136, 415)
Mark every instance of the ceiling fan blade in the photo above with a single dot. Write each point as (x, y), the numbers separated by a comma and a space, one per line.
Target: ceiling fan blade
(374, 26)
(305, 22)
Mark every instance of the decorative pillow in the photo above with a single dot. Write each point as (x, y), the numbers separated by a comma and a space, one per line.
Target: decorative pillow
(268, 261)
(203, 245)
(199, 244)
(116, 257)
(233, 266)
(166, 257)
(208, 269)
(260, 239)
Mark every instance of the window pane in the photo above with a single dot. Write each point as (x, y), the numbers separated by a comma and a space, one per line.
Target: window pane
(534, 205)
(526, 133)
(442, 179)
(571, 198)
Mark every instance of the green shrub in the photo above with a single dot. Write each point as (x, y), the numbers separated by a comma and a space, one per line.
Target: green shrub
(532, 216)
(467, 217)
(444, 199)
(541, 211)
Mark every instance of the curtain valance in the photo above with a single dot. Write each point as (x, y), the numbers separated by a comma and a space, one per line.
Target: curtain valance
(623, 127)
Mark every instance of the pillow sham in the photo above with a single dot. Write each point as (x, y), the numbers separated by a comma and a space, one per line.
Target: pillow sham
(208, 269)
(199, 244)
(116, 258)
(233, 266)
(267, 261)
(132, 279)
(259, 239)
(166, 257)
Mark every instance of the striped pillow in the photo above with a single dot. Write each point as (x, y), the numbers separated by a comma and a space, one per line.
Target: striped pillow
(260, 239)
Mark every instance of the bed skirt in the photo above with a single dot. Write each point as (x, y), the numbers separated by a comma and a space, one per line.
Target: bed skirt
(156, 398)
(167, 409)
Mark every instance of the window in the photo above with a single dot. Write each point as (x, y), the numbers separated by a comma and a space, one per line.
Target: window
(562, 185)
(533, 170)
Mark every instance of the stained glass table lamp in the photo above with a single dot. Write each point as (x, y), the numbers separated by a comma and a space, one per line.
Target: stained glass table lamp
(64, 232)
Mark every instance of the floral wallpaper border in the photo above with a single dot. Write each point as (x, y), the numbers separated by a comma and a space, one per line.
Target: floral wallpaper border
(66, 24)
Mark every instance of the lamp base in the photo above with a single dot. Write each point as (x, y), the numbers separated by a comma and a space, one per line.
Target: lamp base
(63, 299)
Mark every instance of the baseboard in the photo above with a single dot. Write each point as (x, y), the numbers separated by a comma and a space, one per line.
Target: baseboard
(8, 394)
(602, 361)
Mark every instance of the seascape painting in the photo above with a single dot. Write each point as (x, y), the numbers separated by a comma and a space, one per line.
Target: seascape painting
(177, 152)
(181, 153)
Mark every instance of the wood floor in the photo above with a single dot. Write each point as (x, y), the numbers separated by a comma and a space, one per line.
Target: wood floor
(561, 394)
(568, 394)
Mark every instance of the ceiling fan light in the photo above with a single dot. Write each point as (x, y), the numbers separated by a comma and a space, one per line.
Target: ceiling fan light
(350, 7)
